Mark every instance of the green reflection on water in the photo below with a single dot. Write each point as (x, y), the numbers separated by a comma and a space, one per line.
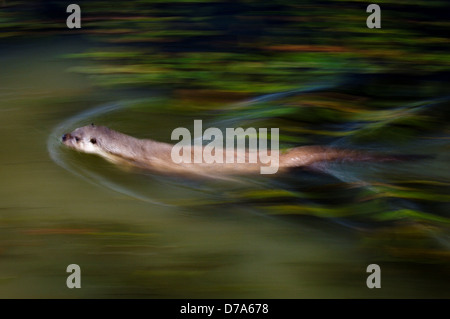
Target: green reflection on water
(308, 234)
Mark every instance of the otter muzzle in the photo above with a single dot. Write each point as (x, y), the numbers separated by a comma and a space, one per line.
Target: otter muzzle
(66, 136)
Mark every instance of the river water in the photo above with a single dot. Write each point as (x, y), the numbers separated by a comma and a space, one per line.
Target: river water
(141, 235)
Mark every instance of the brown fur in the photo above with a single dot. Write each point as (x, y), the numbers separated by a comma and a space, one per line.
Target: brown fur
(156, 156)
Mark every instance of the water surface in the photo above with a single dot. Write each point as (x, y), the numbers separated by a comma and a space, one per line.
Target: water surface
(309, 234)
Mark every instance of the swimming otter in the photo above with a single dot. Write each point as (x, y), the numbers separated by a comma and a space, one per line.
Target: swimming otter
(156, 156)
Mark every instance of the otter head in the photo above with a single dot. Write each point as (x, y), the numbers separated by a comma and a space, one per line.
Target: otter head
(84, 139)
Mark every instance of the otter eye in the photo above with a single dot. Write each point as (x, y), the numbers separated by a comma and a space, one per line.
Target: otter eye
(77, 138)
(93, 140)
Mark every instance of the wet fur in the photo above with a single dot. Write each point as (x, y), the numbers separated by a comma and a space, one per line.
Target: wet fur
(148, 154)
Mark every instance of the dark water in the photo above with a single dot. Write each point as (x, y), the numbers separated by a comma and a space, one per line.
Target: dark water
(309, 234)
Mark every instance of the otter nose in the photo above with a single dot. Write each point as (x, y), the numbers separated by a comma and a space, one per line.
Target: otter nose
(66, 136)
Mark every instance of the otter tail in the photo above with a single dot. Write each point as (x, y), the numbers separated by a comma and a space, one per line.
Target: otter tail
(308, 155)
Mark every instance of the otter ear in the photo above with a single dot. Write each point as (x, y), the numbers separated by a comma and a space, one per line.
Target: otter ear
(92, 124)
(93, 140)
